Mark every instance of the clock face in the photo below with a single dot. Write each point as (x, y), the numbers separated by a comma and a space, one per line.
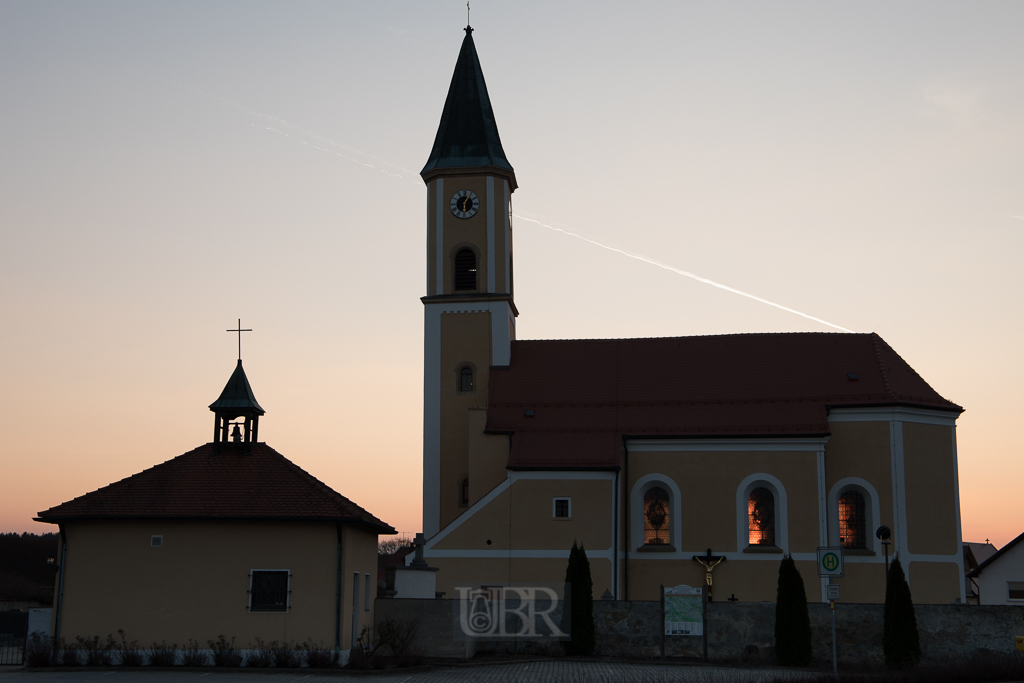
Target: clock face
(465, 204)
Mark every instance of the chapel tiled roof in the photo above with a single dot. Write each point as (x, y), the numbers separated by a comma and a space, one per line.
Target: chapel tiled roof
(222, 481)
(586, 395)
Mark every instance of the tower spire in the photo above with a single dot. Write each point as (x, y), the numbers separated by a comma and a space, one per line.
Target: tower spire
(467, 136)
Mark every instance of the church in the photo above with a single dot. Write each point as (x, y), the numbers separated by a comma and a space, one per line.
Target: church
(652, 452)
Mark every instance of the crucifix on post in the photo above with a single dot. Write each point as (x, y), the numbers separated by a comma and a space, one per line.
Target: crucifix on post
(709, 562)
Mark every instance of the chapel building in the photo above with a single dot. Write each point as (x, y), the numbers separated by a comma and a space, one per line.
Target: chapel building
(230, 538)
(653, 451)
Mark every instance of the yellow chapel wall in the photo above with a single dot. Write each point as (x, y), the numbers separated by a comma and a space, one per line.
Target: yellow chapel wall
(196, 585)
(358, 557)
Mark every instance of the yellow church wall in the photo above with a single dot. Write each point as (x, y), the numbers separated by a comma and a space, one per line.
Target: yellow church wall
(476, 571)
(488, 455)
(863, 450)
(465, 337)
(196, 585)
(750, 580)
(708, 482)
(929, 476)
(864, 582)
(533, 526)
(934, 583)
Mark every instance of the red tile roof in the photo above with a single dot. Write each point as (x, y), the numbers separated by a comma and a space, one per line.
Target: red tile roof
(587, 394)
(228, 481)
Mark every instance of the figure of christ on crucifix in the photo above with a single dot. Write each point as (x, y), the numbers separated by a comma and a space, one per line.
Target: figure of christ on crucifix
(709, 562)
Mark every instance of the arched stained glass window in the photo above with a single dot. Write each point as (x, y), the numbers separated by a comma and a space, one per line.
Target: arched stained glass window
(761, 517)
(465, 270)
(656, 517)
(852, 520)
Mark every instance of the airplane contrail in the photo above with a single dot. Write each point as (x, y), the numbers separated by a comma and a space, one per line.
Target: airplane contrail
(410, 175)
(678, 271)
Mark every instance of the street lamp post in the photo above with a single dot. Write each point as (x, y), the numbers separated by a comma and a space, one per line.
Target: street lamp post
(884, 534)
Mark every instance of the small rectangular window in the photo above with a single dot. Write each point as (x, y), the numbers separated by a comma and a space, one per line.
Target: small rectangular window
(562, 508)
(366, 601)
(1016, 589)
(156, 541)
(268, 590)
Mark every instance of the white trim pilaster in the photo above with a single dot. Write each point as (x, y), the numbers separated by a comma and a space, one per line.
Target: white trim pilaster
(508, 232)
(431, 420)
(439, 238)
(490, 234)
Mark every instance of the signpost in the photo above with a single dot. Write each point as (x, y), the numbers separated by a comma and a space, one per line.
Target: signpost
(830, 563)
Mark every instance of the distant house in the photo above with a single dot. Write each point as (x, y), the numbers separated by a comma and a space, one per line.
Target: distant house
(975, 554)
(231, 539)
(999, 579)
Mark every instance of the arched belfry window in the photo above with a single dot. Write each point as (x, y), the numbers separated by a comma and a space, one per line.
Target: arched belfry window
(466, 380)
(761, 517)
(465, 270)
(852, 520)
(656, 517)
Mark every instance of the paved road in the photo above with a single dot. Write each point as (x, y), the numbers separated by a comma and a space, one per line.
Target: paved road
(520, 672)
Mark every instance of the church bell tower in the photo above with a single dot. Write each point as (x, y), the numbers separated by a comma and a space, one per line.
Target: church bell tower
(469, 312)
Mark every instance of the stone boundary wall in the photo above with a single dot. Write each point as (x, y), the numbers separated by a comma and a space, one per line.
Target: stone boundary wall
(742, 631)
(746, 631)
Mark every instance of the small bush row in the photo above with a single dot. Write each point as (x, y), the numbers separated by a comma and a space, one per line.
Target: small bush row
(94, 651)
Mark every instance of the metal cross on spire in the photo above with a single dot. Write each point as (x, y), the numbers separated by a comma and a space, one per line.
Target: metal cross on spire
(467, 12)
(240, 331)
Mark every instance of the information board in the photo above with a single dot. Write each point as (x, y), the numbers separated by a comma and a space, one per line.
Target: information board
(684, 611)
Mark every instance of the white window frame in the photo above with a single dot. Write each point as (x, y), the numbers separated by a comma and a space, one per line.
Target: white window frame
(640, 488)
(287, 592)
(1008, 598)
(743, 491)
(554, 507)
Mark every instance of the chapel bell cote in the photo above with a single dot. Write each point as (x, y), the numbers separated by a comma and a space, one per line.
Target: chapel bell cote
(236, 401)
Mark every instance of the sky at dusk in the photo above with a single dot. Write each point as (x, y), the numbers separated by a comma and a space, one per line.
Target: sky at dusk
(168, 168)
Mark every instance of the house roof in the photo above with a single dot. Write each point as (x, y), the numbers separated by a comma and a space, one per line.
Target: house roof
(467, 135)
(222, 481)
(586, 395)
(237, 393)
(994, 557)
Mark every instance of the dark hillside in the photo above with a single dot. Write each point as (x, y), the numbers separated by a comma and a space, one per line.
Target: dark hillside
(24, 574)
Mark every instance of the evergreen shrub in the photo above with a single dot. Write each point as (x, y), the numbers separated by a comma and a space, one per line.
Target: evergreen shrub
(580, 617)
(792, 621)
(900, 641)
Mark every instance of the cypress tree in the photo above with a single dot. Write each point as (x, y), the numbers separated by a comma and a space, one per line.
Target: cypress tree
(900, 640)
(792, 621)
(580, 617)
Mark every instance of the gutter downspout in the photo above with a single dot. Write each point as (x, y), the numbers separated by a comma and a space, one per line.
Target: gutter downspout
(60, 583)
(615, 538)
(625, 564)
(337, 599)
